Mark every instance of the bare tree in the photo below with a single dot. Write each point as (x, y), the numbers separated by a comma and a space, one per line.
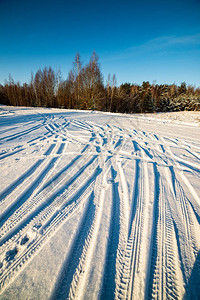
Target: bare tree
(77, 67)
(113, 87)
(44, 84)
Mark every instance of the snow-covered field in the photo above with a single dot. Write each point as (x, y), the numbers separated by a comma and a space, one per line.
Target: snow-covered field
(99, 206)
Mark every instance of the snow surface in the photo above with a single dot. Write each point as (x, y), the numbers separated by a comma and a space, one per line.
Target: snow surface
(99, 206)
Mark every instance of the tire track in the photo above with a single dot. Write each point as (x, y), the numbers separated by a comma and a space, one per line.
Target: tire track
(154, 274)
(49, 188)
(62, 287)
(151, 239)
(164, 280)
(45, 204)
(41, 234)
(189, 209)
(3, 156)
(108, 281)
(23, 178)
(15, 207)
(7, 130)
(17, 135)
(188, 216)
(131, 258)
(45, 166)
(81, 274)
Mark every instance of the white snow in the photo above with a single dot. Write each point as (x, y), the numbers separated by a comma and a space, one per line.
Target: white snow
(99, 205)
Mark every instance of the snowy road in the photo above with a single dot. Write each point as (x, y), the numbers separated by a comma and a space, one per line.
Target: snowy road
(98, 206)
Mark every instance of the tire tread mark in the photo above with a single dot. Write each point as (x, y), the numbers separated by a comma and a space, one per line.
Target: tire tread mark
(44, 233)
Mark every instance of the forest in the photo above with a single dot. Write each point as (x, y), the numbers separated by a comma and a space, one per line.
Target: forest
(84, 88)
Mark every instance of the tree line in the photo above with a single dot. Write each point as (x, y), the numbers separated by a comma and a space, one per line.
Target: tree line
(84, 88)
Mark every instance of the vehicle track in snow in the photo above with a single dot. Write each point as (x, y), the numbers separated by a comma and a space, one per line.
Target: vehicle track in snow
(162, 275)
(131, 258)
(61, 182)
(45, 224)
(78, 261)
(136, 185)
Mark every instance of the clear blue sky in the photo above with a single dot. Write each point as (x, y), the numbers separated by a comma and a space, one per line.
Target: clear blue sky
(138, 40)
